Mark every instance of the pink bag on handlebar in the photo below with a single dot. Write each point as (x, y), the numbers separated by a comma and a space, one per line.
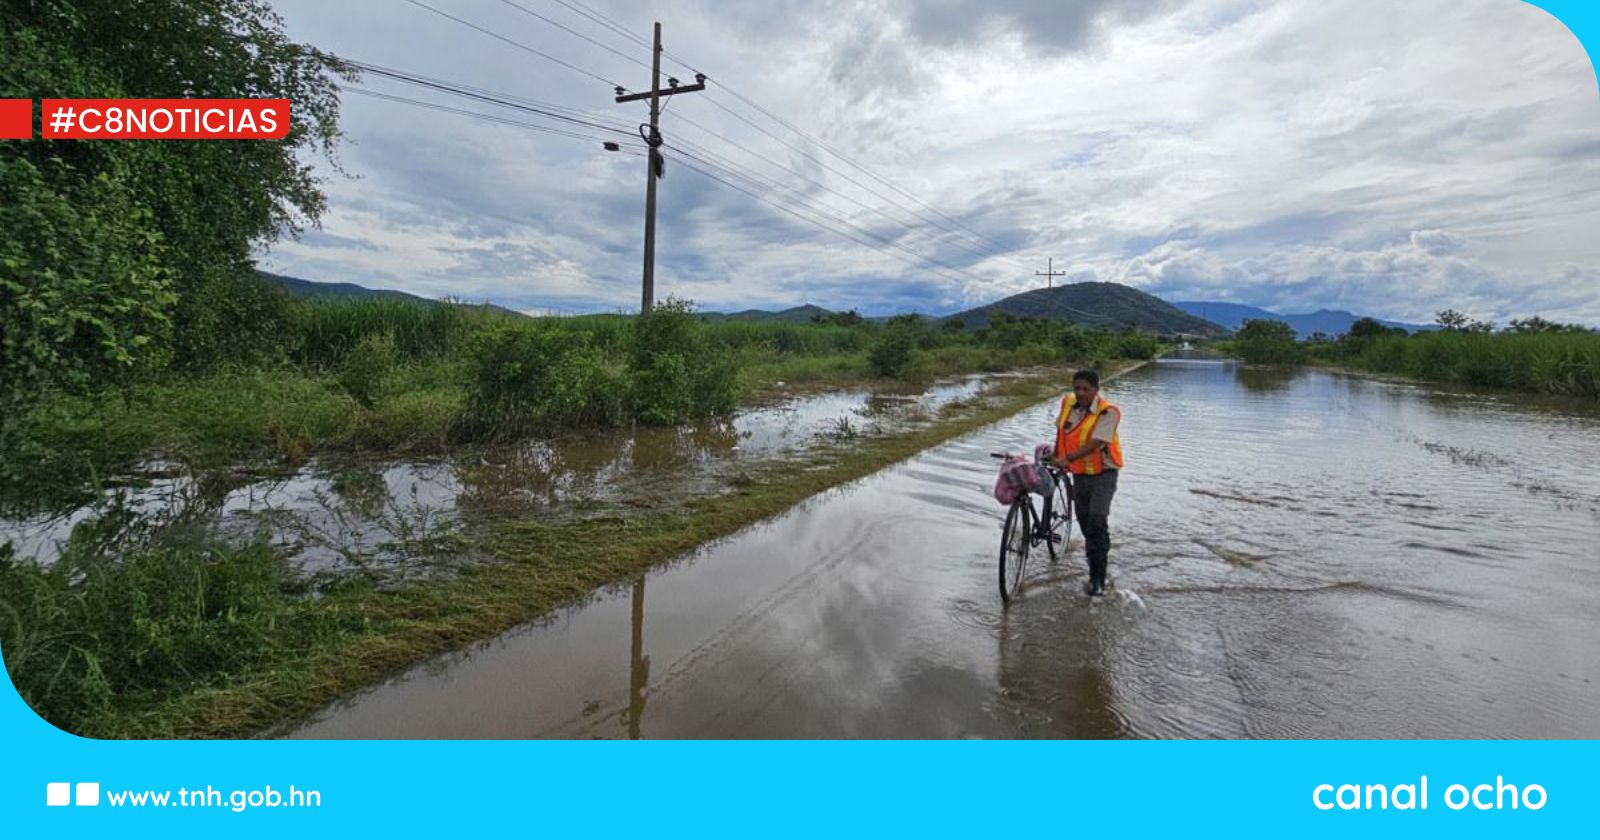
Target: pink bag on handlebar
(1018, 475)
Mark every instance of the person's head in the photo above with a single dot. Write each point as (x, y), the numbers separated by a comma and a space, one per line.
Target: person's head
(1086, 386)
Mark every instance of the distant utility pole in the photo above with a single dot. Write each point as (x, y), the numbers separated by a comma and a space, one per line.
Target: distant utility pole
(1050, 274)
(656, 163)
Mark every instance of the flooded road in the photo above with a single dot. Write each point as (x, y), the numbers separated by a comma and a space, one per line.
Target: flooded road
(1296, 554)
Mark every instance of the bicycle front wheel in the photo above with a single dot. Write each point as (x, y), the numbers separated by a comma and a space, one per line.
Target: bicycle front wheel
(1060, 525)
(1015, 539)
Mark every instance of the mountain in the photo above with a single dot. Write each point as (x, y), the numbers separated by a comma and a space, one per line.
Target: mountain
(313, 289)
(1109, 306)
(1330, 322)
(792, 315)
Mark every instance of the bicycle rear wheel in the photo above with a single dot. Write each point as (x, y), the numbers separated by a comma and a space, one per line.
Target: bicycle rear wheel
(1015, 538)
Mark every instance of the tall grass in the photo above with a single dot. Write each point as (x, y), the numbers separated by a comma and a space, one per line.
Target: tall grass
(329, 330)
(1566, 364)
(105, 626)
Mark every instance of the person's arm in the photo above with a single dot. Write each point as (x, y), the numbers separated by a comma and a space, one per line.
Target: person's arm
(1094, 445)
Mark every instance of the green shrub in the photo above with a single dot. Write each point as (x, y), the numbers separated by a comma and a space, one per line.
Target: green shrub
(525, 378)
(891, 357)
(231, 317)
(84, 297)
(1267, 342)
(1136, 346)
(364, 370)
(676, 373)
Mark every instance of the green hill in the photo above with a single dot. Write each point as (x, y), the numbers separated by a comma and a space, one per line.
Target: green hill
(793, 315)
(1110, 306)
(313, 289)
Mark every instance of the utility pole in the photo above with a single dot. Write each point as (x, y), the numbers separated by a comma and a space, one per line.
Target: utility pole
(1050, 274)
(656, 164)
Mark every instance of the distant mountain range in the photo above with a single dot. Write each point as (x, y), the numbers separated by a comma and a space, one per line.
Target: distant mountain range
(1329, 322)
(1109, 306)
(793, 315)
(313, 289)
(1102, 305)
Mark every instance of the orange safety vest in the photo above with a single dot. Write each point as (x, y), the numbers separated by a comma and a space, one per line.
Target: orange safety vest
(1075, 438)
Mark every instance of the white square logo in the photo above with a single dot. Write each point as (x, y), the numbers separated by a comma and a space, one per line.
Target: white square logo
(88, 793)
(58, 793)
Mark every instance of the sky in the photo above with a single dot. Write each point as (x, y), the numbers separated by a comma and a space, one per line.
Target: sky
(1392, 159)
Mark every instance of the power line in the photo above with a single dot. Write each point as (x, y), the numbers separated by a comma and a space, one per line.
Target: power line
(792, 212)
(951, 272)
(704, 155)
(518, 44)
(527, 11)
(800, 198)
(824, 164)
(611, 120)
(434, 106)
(823, 186)
(981, 240)
(495, 100)
(608, 23)
(840, 155)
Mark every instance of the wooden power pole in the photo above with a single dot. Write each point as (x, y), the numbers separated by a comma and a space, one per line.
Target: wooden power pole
(1050, 274)
(656, 163)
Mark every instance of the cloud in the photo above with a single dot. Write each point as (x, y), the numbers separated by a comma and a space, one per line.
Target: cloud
(1391, 159)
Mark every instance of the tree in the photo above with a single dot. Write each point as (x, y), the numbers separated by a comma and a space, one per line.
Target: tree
(1261, 341)
(1536, 324)
(849, 318)
(187, 212)
(1452, 320)
(1371, 327)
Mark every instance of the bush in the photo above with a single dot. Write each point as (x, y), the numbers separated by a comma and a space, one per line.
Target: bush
(676, 373)
(84, 298)
(525, 378)
(892, 355)
(1136, 346)
(366, 367)
(1267, 342)
(232, 317)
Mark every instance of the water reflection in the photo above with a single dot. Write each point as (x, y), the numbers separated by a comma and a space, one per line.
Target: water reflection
(638, 664)
(1265, 378)
(395, 520)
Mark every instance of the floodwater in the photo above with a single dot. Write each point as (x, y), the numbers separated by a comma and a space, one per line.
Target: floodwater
(402, 519)
(1296, 554)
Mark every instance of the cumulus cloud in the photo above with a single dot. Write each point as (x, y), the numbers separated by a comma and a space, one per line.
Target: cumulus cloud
(1390, 159)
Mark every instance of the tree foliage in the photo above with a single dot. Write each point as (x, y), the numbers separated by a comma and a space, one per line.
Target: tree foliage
(142, 250)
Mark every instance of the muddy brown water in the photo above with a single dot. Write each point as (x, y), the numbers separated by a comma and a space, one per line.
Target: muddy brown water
(1295, 554)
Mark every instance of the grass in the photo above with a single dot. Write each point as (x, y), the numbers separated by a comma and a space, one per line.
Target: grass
(1563, 364)
(238, 648)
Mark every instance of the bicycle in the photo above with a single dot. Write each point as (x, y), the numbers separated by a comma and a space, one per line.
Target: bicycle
(1019, 534)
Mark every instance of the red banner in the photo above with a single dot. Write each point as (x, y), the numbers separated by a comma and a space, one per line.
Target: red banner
(16, 119)
(165, 119)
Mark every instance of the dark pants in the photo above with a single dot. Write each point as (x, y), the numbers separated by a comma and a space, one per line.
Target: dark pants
(1091, 501)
